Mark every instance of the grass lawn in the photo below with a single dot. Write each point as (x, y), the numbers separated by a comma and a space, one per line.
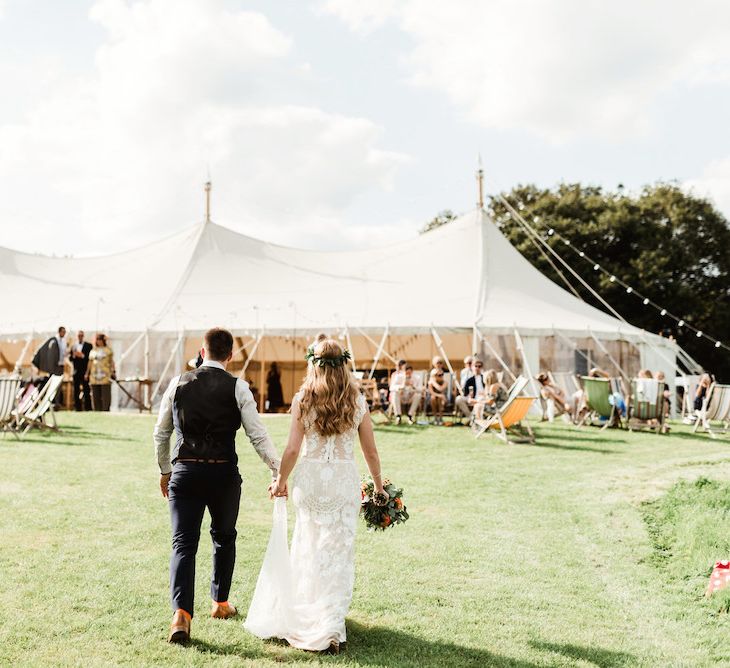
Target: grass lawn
(580, 551)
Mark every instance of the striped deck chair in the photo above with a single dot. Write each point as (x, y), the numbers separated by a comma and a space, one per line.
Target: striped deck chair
(9, 390)
(598, 392)
(716, 408)
(506, 423)
(643, 413)
(42, 406)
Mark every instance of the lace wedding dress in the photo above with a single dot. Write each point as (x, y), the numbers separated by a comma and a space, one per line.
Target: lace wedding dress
(303, 596)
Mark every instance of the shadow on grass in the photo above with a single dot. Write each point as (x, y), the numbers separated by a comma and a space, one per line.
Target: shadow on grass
(542, 443)
(603, 658)
(375, 645)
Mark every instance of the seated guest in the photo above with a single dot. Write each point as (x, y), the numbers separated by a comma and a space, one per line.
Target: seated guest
(664, 388)
(409, 394)
(557, 402)
(468, 370)
(437, 364)
(645, 373)
(495, 393)
(398, 377)
(473, 389)
(437, 387)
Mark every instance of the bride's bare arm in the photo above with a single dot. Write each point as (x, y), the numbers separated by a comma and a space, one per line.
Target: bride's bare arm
(370, 452)
(291, 453)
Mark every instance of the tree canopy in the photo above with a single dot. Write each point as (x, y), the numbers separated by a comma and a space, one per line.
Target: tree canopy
(671, 246)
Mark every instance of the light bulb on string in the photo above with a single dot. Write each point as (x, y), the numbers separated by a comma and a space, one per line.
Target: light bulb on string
(566, 242)
(680, 323)
(646, 301)
(596, 267)
(663, 312)
(582, 254)
(699, 334)
(551, 231)
(612, 279)
(717, 344)
(629, 290)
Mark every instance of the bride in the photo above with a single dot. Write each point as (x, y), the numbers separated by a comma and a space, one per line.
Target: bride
(303, 596)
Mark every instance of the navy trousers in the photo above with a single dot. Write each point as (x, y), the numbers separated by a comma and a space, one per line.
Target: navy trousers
(194, 487)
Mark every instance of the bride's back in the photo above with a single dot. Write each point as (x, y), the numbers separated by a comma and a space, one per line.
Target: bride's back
(330, 405)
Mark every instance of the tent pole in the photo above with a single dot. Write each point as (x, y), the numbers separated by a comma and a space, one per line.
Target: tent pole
(440, 346)
(502, 363)
(375, 343)
(261, 377)
(379, 351)
(146, 366)
(250, 357)
(521, 348)
(131, 347)
(24, 352)
(166, 367)
(474, 339)
(609, 355)
(349, 347)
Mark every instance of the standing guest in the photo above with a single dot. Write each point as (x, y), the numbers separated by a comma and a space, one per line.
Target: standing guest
(100, 374)
(80, 360)
(274, 393)
(702, 388)
(437, 387)
(51, 358)
(468, 370)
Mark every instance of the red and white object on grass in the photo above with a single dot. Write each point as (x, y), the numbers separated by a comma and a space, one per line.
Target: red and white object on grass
(720, 577)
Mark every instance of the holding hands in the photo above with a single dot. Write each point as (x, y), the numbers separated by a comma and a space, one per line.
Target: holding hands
(278, 488)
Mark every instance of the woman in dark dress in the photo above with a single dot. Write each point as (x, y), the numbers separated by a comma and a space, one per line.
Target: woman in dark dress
(274, 393)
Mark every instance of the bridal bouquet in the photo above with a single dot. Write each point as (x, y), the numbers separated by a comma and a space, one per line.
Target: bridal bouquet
(378, 513)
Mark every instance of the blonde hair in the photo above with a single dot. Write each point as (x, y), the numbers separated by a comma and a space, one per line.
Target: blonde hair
(329, 392)
(490, 377)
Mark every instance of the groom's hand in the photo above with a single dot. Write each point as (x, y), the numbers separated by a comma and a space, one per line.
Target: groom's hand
(164, 480)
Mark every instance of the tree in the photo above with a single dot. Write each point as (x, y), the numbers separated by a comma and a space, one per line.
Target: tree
(442, 218)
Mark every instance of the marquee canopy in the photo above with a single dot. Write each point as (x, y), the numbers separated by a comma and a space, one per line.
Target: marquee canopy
(462, 275)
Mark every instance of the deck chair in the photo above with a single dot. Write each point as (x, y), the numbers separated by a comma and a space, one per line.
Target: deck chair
(9, 391)
(369, 387)
(646, 405)
(598, 392)
(566, 381)
(690, 383)
(716, 408)
(506, 421)
(42, 406)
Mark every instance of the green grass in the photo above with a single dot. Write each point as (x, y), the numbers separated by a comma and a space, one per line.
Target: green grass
(568, 553)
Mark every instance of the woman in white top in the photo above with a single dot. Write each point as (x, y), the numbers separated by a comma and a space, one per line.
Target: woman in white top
(303, 597)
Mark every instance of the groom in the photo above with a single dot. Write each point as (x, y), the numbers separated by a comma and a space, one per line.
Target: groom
(205, 408)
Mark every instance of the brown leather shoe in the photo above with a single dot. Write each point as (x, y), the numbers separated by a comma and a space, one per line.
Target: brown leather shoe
(223, 610)
(180, 627)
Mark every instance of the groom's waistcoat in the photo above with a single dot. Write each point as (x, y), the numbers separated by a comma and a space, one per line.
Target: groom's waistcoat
(206, 415)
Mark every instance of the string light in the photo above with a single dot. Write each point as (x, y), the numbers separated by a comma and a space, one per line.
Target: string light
(613, 279)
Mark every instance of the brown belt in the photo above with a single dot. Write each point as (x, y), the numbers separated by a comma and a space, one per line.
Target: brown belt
(204, 461)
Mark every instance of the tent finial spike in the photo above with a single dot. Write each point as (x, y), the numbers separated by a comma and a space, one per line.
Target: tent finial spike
(480, 183)
(208, 187)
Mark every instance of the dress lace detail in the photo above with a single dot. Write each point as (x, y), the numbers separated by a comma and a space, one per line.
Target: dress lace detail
(321, 575)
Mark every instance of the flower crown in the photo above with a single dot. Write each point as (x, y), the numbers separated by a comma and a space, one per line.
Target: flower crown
(327, 361)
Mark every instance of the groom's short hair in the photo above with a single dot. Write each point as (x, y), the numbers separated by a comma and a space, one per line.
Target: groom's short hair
(218, 343)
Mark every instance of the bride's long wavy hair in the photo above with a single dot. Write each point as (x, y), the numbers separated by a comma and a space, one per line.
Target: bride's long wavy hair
(329, 393)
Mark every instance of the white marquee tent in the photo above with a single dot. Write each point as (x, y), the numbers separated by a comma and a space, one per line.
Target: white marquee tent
(456, 289)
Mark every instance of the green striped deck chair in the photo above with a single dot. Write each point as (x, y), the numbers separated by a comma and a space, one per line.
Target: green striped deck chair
(598, 393)
(646, 405)
(716, 408)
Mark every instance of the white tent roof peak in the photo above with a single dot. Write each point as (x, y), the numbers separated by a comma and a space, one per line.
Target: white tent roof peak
(461, 274)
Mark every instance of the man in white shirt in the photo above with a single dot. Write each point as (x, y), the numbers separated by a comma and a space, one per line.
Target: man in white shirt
(468, 370)
(408, 393)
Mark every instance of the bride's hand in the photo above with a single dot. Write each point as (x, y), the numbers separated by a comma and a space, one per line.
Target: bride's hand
(381, 497)
(277, 488)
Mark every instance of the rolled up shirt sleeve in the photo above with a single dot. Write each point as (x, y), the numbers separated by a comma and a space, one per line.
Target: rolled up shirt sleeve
(164, 428)
(254, 428)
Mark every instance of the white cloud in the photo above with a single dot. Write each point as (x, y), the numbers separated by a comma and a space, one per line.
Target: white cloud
(119, 158)
(714, 183)
(560, 69)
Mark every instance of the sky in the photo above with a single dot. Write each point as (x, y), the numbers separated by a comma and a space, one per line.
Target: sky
(342, 123)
